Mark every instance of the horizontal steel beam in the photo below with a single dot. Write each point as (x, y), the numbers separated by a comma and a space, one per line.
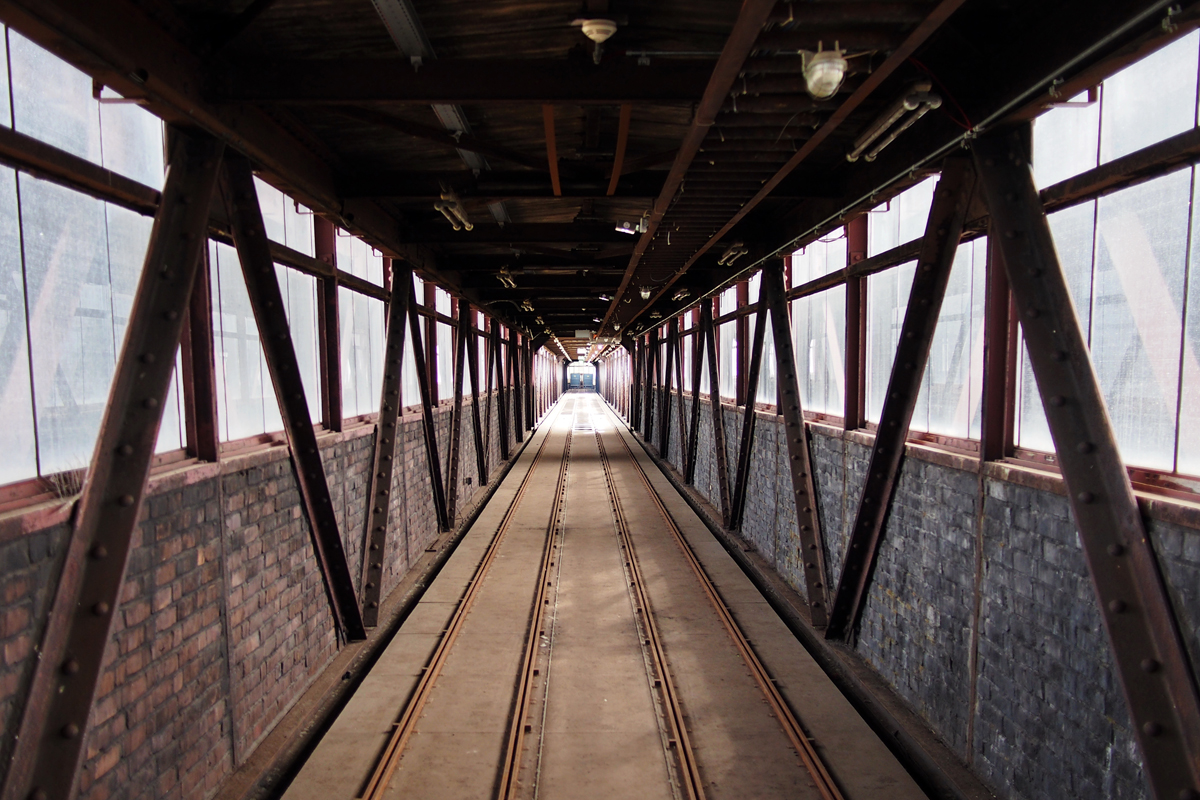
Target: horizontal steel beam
(461, 81)
(534, 232)
(494, 184)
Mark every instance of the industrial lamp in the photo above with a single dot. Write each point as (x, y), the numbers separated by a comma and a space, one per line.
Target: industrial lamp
(824, 71)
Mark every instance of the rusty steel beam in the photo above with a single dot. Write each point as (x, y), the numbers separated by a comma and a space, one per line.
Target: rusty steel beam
(464, 312)
(693, 433)
(999, 358)
(514, 376)
(501, 388)
(430, 431)
(651, 385)
(950, 202)
(804, 488)
(622, 143)
(199, 371)
(714, 386)
(855, 401)
(454, 440)
(746, 29)
(551, 148)
(379, 494)
(266, 301)
(53, 727)
(742, 485)
(679, 417)
(1148, 651)
(329, 329)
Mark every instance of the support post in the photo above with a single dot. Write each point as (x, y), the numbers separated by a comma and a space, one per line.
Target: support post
(266, 301)
(431, 448)
(946, 217)
(693, 434)
(329, 327)
(49, 742)
(1148, 651)
(742, 485)
(999, 362)
(651, 384)
(679, 417)
(454, 440)
(199, 371)
(431, 345)
(464, 314)
(501, 388)
(742, 337)
(856, 327)
(718, 413)
(390, 402)
(804, 489)
(635, 397)
(514, 375)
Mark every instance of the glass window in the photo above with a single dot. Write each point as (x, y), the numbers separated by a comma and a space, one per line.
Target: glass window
(16, 398)
(887, 299)
(901, 219)
(727, 346)
(1150, 100)
(819, 341)
(362, 352)
(445, 346)
(819, 258)
(52, 101)
(240, 364)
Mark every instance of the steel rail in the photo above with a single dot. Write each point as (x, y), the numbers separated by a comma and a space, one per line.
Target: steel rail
(516, 728)
(403, 729)
(689, 767)
(791, 726)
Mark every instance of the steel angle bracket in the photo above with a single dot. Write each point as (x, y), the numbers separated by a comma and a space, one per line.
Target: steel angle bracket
(951, 200)
(1159, 686)
(804, 490)
(386, 433)
(53, 728)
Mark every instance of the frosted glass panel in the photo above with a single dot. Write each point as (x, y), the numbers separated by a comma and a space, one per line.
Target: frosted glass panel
(1188, 446)
(238, 354)
(362, 352)
(300, 301)
(1138, 311)
(1151, 100)
(70, 319)
(902, 219)
(887, 299)
(727, 364)
(1066, 142)
(952, 387)
(170, 431)
(16, 401)
(52, 101)
(132, 143)
(270, 201)
(819, 258)
(819, 341)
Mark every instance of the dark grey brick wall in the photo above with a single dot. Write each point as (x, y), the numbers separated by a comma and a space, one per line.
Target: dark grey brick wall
(1037, 713)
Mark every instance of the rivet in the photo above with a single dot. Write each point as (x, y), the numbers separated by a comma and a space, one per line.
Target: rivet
(1152, 728)
(1085, 497)
(816, 603)
(370, 585)
(811, 565)
(1117, 606)
(374, 546)
(150, 402)
(71, 666)
(1010, 196)
(807, 510)
(165, 273)
(1150, 665)
(70, 730)
(1033, 313)
(1058, 401)
(147, 358)
(1035, 272)
(989, 162)
(1116, 549)
(941, 231)
(99, 552)
(378, 510)
(1010, 234)
(372, 604)
(125, 449)
(1084, 447)
(812, 547)
(38, 794)
(1061, 355)
(172, 315)
(100, 609)
(125, 500)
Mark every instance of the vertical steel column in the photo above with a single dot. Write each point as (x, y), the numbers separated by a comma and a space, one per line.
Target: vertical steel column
(693, 434)
(950, 201)
(514, 375)
(473, 365)
(856, 327)
(651, 384)
(266, 301)
(748, 420)
(431, 448)
(49, 743)
(391, 401)
(635, 397)
(529, 385)
(664, 433)
(431, 345)
(718, 413)
(742, 334)
(679, 417)
(329, 326)
(804, 489)
(501, 389)
(489, 382)
(454, 440)
(999, 361)
(1159, 686)
(199, 371)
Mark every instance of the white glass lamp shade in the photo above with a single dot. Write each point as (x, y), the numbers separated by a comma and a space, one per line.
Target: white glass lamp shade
(824, 73)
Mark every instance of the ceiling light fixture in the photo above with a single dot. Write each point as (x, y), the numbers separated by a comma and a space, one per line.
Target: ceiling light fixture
(644, 292)
(915, 103)
(682, 294)
(599, 31)
(732, 254)
(505, 277)
(625, 227)
(452, 209)
(605, 298)
(824, 71)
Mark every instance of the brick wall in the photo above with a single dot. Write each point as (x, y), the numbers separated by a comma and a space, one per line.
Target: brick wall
(1037, 711)
(224, 619)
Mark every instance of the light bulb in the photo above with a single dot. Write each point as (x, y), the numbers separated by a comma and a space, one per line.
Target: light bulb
(645, 293)
(824, 72)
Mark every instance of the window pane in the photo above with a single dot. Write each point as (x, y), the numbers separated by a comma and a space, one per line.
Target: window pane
(819, 258)
(952, 387)
(170, 431)
(238, 355)
(270, 201)
(819, 341)
(1188, 458)
(887, 299)
(1149, 101)
(900, 220)
(52, 101)
(298, 222)
(70, 319)
(16, 403)
(727, 364)
(1066, 142)
(132, 142)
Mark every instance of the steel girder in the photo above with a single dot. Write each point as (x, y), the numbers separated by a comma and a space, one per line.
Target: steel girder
(430, 430)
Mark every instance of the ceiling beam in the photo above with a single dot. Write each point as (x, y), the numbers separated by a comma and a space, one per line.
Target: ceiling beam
(532, 232)
(461, 81)
(494, 184)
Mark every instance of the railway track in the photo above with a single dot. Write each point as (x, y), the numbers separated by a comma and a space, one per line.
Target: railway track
(519, 768)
